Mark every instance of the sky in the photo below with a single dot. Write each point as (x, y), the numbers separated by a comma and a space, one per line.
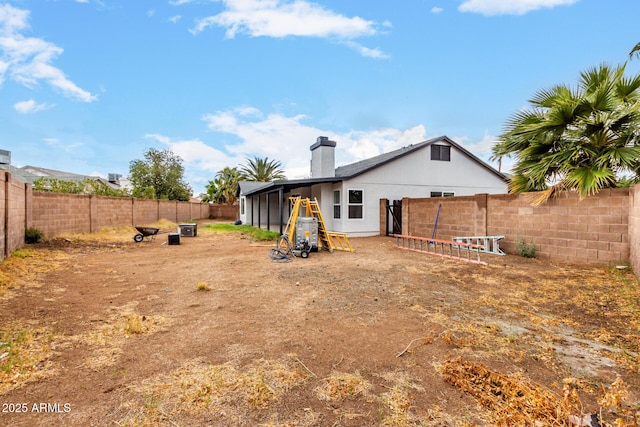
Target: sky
(88, 86)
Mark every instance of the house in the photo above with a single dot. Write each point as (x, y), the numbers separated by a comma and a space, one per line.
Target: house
(29, 174)
(349, 196)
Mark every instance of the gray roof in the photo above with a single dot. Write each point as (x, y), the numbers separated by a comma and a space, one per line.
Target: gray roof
(249, 188)
(245, 187)
(357, 168)
(29, 174)
(19, 174)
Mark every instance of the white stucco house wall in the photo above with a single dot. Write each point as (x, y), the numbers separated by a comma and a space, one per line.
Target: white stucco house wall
(349, 195)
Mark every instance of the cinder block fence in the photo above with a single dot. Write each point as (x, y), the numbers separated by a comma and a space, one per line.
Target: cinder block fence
(54, 213)
(602, 229)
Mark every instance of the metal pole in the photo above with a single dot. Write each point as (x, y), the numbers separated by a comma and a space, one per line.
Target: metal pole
(435, 225)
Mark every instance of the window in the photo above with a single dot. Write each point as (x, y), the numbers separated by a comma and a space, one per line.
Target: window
(442, 194)
(441, 152)
(242, 203)
(336, 204)
(355, 204)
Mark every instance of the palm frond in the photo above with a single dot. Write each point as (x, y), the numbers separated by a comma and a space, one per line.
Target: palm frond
(635, 51)
(590, 180)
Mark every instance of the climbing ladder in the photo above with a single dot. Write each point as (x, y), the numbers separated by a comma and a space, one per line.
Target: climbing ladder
(489, 244)
(330, 240)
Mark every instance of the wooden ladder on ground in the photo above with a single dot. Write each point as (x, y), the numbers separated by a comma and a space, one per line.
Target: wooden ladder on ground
(329, 240)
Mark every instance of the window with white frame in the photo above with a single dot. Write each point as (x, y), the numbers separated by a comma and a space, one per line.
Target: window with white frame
(242, 204)
(355, 204)
(442, 194)
(336, 204)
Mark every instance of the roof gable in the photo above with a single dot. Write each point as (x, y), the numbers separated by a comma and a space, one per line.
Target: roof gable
(358, 168)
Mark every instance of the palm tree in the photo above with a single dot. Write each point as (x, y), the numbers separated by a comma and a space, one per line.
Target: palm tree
(262, 170)
(635, 51)
(228, 187)
(224, 187)
(582, 139)
(213, 192)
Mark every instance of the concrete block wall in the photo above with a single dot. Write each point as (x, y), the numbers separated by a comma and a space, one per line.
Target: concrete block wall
(110, 212)
(16, 212)
(183, 212)
(227, 212)
(3, 209)
(167, 210)
(592, 230)
(634, 228)
(144, 211)
(55, 213)
(459, 216)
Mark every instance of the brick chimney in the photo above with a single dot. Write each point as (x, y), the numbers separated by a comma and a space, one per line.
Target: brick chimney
(323, 158)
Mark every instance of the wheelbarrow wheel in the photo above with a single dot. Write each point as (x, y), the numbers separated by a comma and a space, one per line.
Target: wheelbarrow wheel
(138, 238)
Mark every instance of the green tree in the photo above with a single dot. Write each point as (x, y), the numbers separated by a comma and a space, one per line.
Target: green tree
(159, 176)
(224, 187)
(213, 193)
(228, 178)
(582, 139)
(262, 170)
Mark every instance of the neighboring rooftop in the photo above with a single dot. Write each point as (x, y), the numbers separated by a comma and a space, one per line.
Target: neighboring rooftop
(29, 174)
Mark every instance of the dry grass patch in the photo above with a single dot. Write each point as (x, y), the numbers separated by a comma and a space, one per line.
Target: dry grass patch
(27, 266)
(203, 286)
(104, 235)
(226, 391)
(115, 234)
(341, 386)
(513, 400)
(398, 401)
(110, 337)
(24, 354)
(509, 400)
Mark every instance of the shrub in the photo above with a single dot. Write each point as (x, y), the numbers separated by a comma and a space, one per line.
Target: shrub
(527, 250)
(32, 235)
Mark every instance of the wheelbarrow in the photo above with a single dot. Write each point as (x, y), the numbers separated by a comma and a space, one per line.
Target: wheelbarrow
(146, 232)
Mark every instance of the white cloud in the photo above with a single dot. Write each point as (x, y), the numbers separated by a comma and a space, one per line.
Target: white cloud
(278, 19)
(367, 52)
(483, 149)
(30, 106)
(287, 139)
(479, 148)
(27, 60)
(510, 7)
(196, 154)
(174, 19)
(436, 10)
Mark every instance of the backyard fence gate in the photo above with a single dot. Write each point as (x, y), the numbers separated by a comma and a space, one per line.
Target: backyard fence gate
(394, 217)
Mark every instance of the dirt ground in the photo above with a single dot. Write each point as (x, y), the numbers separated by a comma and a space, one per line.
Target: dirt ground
(212, 332)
